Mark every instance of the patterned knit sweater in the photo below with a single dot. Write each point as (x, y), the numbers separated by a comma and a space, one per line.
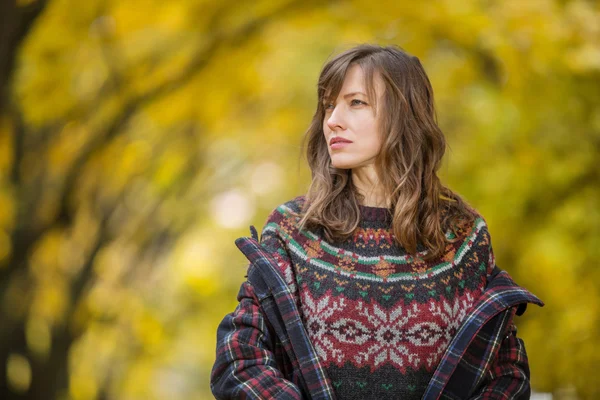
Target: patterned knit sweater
(379, 319)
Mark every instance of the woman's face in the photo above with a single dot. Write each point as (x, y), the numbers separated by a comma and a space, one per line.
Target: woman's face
(352, 117)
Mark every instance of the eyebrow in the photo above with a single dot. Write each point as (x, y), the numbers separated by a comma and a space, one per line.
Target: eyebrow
(349, 95)
(353, 93)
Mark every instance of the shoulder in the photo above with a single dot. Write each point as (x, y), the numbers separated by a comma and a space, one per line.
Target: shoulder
(279, 232)
(476, 238)
(290, 210)
(469, 228)
(479, 225)
(468, 222)
(282, 220)
(293, 206)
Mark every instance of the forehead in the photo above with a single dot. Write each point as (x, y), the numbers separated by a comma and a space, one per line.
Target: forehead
(356, 80)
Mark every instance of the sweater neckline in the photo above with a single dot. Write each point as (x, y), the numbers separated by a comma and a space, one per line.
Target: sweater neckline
(375, 214)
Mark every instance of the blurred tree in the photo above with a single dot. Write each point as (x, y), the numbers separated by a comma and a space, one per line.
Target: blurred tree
(141, 137)
(90, 177)
(15, 21)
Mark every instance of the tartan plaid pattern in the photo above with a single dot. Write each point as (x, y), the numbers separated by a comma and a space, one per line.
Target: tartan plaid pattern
(263, 350)
(288, 365)
(509, 373)
(248, 364)
(485, 358)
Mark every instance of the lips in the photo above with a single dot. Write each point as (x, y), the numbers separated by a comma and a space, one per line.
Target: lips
(339, 140)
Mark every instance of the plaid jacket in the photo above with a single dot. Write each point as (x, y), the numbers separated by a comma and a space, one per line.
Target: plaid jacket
(263, 350)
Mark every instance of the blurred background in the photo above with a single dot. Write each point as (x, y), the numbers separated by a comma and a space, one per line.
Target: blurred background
(139, 139)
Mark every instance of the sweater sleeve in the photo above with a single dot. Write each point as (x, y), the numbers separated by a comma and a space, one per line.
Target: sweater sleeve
(276, 247)
(276, 237)
(488, 251)
(245, 367)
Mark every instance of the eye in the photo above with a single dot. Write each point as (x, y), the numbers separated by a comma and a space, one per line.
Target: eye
(356, 102)
(328, 106)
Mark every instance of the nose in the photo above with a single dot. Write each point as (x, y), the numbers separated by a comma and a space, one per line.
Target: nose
(334, 122)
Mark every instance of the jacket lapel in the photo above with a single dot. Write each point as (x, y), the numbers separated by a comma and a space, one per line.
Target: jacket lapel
(489, 312)
(283, 314)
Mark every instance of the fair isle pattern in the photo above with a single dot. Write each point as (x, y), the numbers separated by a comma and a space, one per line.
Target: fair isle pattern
(375, 314)
(336, 252)
(370, 336)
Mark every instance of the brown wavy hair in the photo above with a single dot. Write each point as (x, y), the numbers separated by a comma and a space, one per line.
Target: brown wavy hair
(421, 208)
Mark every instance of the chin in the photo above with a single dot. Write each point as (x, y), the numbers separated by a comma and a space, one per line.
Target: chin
(342, 165)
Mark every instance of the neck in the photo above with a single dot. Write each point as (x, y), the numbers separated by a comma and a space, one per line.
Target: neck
(366, 181)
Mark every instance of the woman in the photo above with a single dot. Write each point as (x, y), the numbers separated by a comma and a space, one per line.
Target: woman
(379, 282)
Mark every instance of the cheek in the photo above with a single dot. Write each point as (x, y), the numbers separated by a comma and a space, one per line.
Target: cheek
(374, 138)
